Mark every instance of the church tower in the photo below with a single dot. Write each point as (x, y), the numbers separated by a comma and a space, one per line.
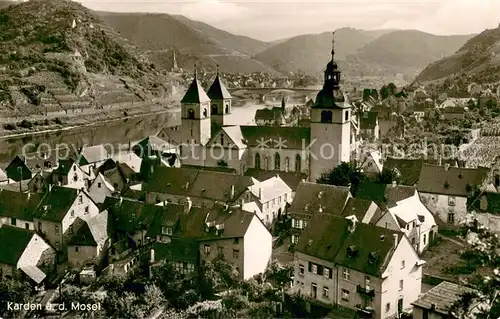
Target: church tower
(195, 119)
(330, 124)
(220, 101)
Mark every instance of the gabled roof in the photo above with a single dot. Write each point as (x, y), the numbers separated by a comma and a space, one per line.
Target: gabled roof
(151, 145)
(357, 207)
(409, 169)
(371, 191)
(311, 198)
(292, 179)
(195, 93)
(64, 167)
(129, 215)
(15, 240)
(218, 90)
(18, 205)
(453, 181)
(92, 154)
(93, 231)
(442, 296)
(169, 180)
(291, 137)
(269, 188)
(56, 203)
(397, 193)
(168, 216)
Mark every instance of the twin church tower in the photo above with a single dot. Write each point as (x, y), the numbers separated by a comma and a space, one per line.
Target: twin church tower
(322, 147)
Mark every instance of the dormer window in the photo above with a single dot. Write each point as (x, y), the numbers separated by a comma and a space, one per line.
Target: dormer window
(451, 201)
(166, 230)
(373, 257)
(352, 251)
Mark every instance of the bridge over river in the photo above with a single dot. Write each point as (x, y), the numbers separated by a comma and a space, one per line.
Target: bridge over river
(276, 93)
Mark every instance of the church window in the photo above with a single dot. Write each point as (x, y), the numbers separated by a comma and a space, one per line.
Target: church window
(222, 139)
(257, 161)
(326, 117)
(277, 161)
(214, 109)
(347, 115)
(497, 180)
(287, 164)
(205, 113)
(191, 133)
(298, 163)
(227, 108)
(191, 114)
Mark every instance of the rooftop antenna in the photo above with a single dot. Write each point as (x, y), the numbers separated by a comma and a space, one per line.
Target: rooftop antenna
(333, 44)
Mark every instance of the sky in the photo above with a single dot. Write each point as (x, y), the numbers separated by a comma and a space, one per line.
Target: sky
(272, 20)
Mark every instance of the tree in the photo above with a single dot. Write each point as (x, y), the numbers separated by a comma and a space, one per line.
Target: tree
(12, 290)
(392, 88)
(346, 174)
(384, 92)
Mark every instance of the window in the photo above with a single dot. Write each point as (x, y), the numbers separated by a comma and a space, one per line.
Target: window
(166, 230)
(401, 284)
(227, 108)
(347, 115)
(301, 270)
(326, 117)
(451, 200)
(287, 164)
(451, 218)
(205, 113)
(326, 272)
(13, 221)
(207, 249)
(190, 114)
(298, 163)
(314, 269)
(325, 292)
(407, 226)
(257, 161)
(27, 226)
(220, 250)
(56, 229)
(214, 109)
(345, 295)
(80, 199)
(425, 239)
(58, 246)
(76, 249)
(277, 161)
(75, 178)
(99, 185)
(387, 307)
(86, 209)
(72, 213)
(367, 282)
(370, 164)
(236, 253)
(346, 274)
(222, 139)
(402, 264)
(236, 241)
(414, 224)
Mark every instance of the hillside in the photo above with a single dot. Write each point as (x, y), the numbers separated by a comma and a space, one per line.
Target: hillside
(195, 42)
(404, 51)
(479, 58)
(309, 53)
(58, 56)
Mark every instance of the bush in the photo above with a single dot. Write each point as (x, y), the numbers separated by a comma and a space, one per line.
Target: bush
(10, 126)
(26, 124)
(57, 120)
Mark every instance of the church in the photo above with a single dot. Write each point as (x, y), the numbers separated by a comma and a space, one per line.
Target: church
(205, 139)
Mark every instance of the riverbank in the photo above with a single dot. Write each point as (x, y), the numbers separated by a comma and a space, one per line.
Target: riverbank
(30, 126)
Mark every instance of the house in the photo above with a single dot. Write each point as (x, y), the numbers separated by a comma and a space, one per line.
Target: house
(271, 197)
(57, 212)
(128, 158)
(444, 191)
(372, 163)
(100, 189)
(3, 178)
(25, 255)
(292, 179)
(311, 199)
(69, 174)
(404, 171)
(451, 113)
(91, 157)
(369, 125)
(436, 302)
(155, 146)
(266, 116)
(181, 253)
(18, 169)
(91, 241)
(16, 209)
(40, 182)
(239, 236)
(407, 214)
(119, 175)
(486, 206)
(341, 262)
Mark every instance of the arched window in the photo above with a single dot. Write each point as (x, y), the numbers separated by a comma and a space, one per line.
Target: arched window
(287, 164)
(347, 115)
(326, 117)
(497, 180)
(205, 114)
(227, 108)
(214, 109)
(298, 163)
(257, 161)
(191, 114)
(277, 162)
(222, 139)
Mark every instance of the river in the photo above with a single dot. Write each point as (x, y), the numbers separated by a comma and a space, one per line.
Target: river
(114, 132)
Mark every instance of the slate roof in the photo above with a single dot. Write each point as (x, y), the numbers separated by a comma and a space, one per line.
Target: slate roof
(218, 90)
(56, 203)
(396, 193)
(292, 137)
(357, 207)
(93, 231)
(331, 99)
(442, 297)
(17, 239)
(18, 205)
(266, 114)
(292, 179)
(409, 169)
(453, 181)
(64, 167)
(368, 120)
(195, 93)
(151, 145)
(371, 191)
(13, 171)
(309, 197)
(168, 216)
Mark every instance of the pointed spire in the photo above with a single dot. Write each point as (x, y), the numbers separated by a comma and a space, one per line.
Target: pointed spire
(217, 70)
(195, 72)
(333, 45)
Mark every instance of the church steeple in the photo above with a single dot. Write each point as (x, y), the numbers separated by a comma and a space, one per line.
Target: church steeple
(332, 72)
(220, 100)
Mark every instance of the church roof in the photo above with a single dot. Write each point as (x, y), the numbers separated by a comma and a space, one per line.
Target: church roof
(218, 90)
(270, 136)
(331, 99)
(195, 93)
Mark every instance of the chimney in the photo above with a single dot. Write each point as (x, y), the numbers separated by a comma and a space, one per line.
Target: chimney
(187, 205)
(395, 240)
(232, 191)
(352, 225)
